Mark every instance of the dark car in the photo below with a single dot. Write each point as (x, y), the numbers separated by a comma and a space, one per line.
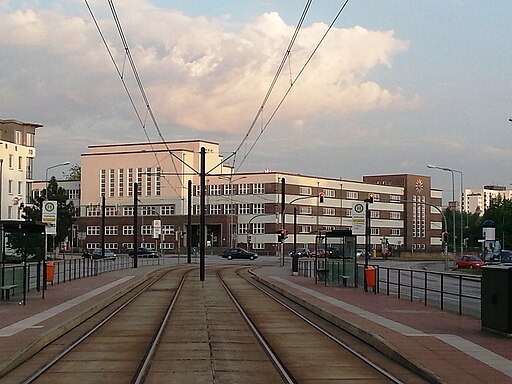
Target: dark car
(506, 256)
(301, 252)
(96, 254)
(144, 252)
(238, 253)
(469, 261)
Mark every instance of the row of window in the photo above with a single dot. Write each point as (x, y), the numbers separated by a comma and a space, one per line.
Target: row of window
(119, 182)
(113, 230)
(232, 189)
(145, 210)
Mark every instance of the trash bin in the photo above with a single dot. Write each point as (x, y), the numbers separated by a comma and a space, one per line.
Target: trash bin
(295, 264)
(370, 276)
(50, 270)
(496, 295)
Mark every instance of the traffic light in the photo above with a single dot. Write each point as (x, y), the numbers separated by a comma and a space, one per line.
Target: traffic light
(444, 237)
(321, 197)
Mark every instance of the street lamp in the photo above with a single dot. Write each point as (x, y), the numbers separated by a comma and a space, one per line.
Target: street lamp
(453, 199)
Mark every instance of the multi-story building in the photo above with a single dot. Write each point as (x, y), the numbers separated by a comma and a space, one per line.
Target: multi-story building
(479, 200)
(241, 209)
(421, 209)
(17, 153)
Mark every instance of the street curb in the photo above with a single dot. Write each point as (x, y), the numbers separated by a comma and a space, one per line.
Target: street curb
(363, 334)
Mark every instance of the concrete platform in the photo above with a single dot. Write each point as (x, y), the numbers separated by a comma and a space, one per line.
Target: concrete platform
(443, 346)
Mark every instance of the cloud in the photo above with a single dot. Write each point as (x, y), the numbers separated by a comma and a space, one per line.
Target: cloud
(197, 72)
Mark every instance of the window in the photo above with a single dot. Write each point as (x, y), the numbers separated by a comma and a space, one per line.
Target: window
(214, 190)
(228, 189)
(305, 210)
(305, 229)
(329, 211)
(244, 209)
(242, 228)
(20, 187)
(93, 230)
(110, 230)
(127, 211)
(258, 188)
(120, 182)
(258, 246)
(11, 187)
(375, 231)
(329, 193)
(305, 191)
(128, 230)
(18, 138)
(348, 213)
(73, 194)
(394, 215)
(30, 139)
(167, 246)
(167, 210)
(111, 182)
(258, 208)
(127, 245)
(93, 246)
(376, 197)
(93, 210)
(374, 214)
(394, 199)
(139, 181)
(167, 229)
(20, 163)
(243, 189)
(146, 230)
(158, 183)
(130, 181)
(352, 195)
(110, 211)
(215, 209)
(149, 178)
(229, 209)
(258, 228)
(148, 210)
(395, 232)
(111, 245)
(103, 180)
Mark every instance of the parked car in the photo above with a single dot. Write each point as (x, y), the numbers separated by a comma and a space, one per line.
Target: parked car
(144, 252)
(469, 261)
(96, 254)
(301, 252)
(238, 253)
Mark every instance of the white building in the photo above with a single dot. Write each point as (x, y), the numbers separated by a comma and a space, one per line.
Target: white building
(479, 200)
(17, 153)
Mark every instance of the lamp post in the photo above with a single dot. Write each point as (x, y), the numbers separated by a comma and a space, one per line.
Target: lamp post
(46, 198)
(453, 199)
(462, 210)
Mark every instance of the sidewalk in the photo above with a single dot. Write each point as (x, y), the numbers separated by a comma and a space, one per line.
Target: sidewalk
(442, 346)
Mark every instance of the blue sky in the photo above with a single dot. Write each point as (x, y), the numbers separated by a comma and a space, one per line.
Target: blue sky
(397, 84)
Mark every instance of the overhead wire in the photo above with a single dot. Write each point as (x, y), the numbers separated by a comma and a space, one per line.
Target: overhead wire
(262, 130)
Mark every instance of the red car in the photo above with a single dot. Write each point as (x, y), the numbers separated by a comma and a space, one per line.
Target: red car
(469, 261)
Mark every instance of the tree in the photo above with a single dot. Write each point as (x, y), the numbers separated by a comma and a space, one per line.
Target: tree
(75, 173)
(65, 210)
(500, 211)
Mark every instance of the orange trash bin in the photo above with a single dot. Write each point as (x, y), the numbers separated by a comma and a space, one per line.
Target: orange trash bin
(50, 271)
(370, 276)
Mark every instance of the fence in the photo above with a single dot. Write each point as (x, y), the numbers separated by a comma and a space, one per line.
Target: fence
(455, 292)
(67, 270)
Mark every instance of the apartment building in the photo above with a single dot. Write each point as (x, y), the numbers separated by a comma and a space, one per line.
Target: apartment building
(242, 209)
(17, 153)
(479, 200)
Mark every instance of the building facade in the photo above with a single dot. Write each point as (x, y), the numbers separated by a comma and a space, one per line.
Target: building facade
(17, 154)
(242, 209)
(479, 200)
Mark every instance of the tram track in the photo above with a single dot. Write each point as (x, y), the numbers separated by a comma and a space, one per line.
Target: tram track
(225, 329)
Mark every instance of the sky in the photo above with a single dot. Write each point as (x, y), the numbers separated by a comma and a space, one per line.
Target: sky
(394, 86)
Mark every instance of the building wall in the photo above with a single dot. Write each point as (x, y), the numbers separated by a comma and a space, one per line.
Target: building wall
(17, 153)
(242, 209)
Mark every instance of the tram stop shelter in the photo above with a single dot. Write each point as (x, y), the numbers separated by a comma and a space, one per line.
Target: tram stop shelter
(339, 264)
(22, 242)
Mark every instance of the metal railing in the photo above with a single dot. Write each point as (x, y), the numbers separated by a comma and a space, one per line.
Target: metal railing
(454, 292)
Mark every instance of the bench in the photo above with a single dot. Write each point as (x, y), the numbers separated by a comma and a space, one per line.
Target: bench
(344, 279)
(6, 291)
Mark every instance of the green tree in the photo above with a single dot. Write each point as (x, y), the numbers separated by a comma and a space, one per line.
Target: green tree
(65, 210)
(75, 173)
(500, 211)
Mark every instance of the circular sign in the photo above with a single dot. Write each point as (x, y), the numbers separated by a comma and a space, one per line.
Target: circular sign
(419, 185)
(49, 206)
(358, 208)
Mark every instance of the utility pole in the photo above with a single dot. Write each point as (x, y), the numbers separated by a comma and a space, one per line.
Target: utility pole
(202, 219)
